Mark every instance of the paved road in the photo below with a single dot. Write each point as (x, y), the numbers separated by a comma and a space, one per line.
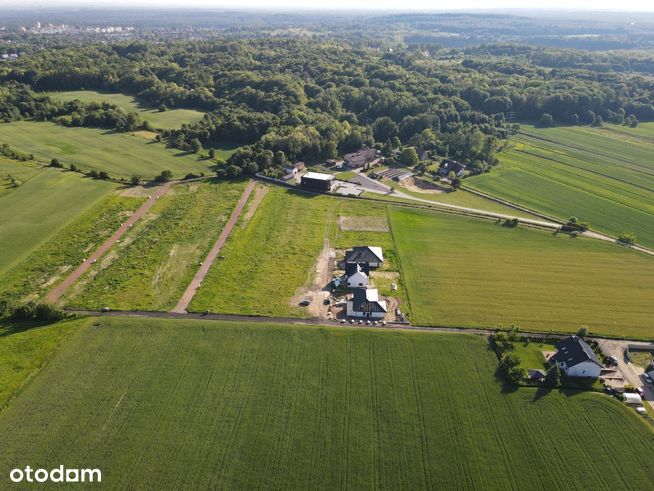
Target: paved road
(59, 290)
(630, 372)
(184, 302)
(370, 184)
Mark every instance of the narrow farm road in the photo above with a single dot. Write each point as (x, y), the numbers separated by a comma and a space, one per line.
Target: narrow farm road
(188, 295)
(60, 289)
(608, 238)
(380, 188)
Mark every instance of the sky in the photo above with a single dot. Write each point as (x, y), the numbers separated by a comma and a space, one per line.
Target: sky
(625, 5)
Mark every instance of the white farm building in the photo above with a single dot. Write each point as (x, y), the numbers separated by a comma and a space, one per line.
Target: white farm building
(576, 358)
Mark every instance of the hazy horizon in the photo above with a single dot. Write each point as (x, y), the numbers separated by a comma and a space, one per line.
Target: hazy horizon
(335, 5)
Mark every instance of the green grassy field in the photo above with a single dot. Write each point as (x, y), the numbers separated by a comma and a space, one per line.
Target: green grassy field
(155, 262)
(24, 350)
(121, 155)
(46, 200)
(49, 263)
(178, 404)
(270, 256)
(170, 119)
(604, 176)
(468, 272)
(531, 354)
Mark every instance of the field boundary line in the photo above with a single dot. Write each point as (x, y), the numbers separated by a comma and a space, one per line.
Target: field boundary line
(192, 288)
(320, 322)
(54, 295)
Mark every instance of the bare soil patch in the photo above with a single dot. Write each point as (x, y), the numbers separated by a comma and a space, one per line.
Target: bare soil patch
(363, 224)
(320, 288)
(259, 193)
(421, 186)
(136, 192)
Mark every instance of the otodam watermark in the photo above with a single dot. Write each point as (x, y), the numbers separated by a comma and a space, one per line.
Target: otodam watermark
(58, 474)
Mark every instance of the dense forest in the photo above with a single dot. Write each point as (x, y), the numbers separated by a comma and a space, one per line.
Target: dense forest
(302, 99)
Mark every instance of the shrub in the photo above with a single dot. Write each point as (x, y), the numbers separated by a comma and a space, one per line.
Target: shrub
(627, 238)
(33, 311)
(546, 120)
(165, 176)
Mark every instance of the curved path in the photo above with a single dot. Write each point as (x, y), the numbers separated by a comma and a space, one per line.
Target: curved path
(380, 188)
(59, 290)
(554, 224)
(188, 295)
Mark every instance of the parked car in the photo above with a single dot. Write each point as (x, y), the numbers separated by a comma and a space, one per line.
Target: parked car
(640, 391)
(105, 309)
(647, 378)
(641, 410)
(612, 360)
(609, 390)
(305, 303)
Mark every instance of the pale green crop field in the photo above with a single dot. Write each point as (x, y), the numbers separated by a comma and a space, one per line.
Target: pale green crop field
(474, 273)
(169, 119)
(604, 176)
(44, 202)
(177, 404)
(120, 154)
(48, 263)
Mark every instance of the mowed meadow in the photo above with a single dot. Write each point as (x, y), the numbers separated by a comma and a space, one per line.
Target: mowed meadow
(211, 405)
(44, 201)
(168, 119)
(475, 273)
(604, 176)
(122, 155)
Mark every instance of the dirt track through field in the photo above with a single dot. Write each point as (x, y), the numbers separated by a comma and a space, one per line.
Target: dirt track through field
(188, 295)
(57, 292)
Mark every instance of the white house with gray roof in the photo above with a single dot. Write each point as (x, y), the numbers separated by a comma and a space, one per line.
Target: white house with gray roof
(576, 358)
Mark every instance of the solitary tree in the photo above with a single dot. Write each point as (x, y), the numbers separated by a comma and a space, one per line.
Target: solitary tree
(554, 375)
(212, 153)
(135, 180)
(196, 146)
(582, 332)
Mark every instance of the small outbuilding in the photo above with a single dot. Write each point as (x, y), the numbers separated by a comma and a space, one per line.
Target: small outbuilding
(632, 399)
(317, 181)
(536, 375)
